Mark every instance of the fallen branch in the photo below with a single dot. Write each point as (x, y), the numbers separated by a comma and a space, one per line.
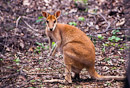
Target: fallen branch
(39, 73)
(10, 76)
(30, 28)
(108, 23)
(36, 30)
(17, 21)
(54, 80)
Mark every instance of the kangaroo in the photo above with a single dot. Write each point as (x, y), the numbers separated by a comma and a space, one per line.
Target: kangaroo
(77, 49)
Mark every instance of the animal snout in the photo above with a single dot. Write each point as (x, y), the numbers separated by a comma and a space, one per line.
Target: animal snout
(51, 29)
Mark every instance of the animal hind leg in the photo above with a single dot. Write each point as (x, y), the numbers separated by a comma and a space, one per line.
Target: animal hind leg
(68, 74)
(76, 73)
(93, 73)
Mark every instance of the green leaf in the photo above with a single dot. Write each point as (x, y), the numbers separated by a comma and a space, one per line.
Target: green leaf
(31, 87)
(39, 43)
(72, 23)
(43, 47)
(38, 47)
(107, 59)
(39, 20)
(47, 47)
(114, 38)
(86, 10)
(115, 31)
(17, 60)
(61, 86)
(40, 17)
(121, 49)
(32, 81)
(85, 1)
(1, 59)
(81, 18)
(100, 36)
(117, 39)
(105, 44)
(113, 68)
(103, 49)
(53, 44)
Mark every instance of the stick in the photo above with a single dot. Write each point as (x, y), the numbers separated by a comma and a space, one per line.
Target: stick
(30, 26)
(108, 23)
(17, 21)
(10, 76)
(53, 80)
(108, 26)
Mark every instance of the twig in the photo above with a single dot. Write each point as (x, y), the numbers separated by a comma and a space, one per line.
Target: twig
(28, 18)
(39, 73)
(18, 21)
(108, 26)
(36, 30)
(30, 28)
(112, 29)
(26, 82)
(53, 80)
(108, 23)
(10, 76)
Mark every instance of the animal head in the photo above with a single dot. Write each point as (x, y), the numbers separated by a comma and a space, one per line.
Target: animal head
(51, 20)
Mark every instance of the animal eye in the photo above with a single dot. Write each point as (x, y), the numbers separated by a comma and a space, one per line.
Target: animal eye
(55, 21)
(47, 21)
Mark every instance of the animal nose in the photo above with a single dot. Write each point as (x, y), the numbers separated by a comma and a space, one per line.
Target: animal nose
(51, 29)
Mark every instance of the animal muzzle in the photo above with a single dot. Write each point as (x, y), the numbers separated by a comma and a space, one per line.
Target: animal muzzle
(51, 29)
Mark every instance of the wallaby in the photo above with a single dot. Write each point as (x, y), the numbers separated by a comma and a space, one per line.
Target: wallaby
(77, 49)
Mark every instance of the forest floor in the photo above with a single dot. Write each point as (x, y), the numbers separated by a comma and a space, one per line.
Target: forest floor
(24, 61)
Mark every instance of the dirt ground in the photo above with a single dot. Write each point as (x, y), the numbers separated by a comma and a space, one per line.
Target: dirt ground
(24, 49)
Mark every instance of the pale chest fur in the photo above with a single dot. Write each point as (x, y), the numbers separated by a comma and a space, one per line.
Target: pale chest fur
(53, 35)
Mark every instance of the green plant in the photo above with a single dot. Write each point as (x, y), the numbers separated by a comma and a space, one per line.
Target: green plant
(108, 84)
(39, 48)
(17, 60)
(107, 59)
(32, 81)
(115, 31)
(39, 19)
(31, 87)
(113, 68)
(1, 59)
(72, 23)
(53, 44)
(121, 49)
(81, 19)
(104, 47)
(100, 36)
(61, 86)
(85, 1)
(114, 39)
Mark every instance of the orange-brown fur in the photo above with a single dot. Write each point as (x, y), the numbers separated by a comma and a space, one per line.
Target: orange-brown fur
(77, 49)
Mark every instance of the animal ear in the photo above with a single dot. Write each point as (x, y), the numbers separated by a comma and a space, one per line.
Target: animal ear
(45, 14)
(57, 14)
